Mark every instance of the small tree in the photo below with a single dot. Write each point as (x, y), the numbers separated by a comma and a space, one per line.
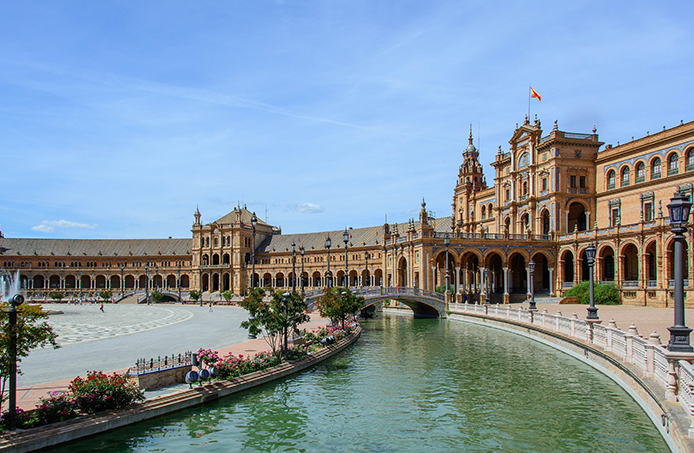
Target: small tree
(157, 296)
(105, 295)
(32, 331)
(56, 296)
(273, 316)
(194, 295)
(227, 295)
(337, 303)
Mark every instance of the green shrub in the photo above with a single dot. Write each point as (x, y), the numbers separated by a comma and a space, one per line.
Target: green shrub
(22, 420)
(101, 392)
(604, 294)
(442, 289)
(57, 407)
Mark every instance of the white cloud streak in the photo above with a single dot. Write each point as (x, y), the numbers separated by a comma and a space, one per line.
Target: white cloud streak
(308, 208)
(49, 226)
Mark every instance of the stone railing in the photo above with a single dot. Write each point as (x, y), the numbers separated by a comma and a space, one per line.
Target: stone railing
(671, 370)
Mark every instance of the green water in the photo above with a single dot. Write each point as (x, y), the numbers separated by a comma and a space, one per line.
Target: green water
(419, 385)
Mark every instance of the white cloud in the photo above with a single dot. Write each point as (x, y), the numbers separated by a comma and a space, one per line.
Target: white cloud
(49, 226)
(308, 208)
(43, 228)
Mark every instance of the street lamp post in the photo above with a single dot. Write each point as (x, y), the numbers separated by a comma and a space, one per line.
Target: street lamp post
(590, 256)
(250, 335)
(15, 301)
(147, 283)
(531, 267)
(178, 282)
(447, 243)
(254, 222)
(345, 238)
(122, 283)
(293, 267)
(284, 299)
(679, 208)
(156, 274)
(328, 243)
(368, 275)
(302, 251)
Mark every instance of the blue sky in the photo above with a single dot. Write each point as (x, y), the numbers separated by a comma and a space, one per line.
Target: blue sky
(118, 118)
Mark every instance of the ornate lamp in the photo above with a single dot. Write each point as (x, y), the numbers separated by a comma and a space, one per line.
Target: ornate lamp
(328, 244)
(590, 257)
(679, 208)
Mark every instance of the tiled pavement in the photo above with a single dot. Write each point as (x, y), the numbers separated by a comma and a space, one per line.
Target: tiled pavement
(115, 339)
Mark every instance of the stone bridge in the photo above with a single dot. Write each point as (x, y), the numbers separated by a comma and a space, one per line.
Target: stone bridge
(424, 303)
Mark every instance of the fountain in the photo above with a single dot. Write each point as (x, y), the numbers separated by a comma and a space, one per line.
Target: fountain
(9, 285)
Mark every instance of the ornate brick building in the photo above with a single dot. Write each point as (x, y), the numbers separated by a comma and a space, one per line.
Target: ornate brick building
(553, 194)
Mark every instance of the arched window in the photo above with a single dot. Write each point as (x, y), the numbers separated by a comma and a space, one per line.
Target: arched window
(690, 159)
(640, 172)
(491, 210)
(484, 212)
(525, 187)
(672, 164)
(611, 180)
(625, 177)
(655, 168)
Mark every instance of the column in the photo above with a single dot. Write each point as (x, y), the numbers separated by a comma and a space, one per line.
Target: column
(527, 280)
(457, 279)
(506, 275)
(483, 282)
(551, 281)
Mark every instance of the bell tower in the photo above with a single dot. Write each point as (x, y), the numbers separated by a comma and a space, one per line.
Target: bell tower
(470, 181)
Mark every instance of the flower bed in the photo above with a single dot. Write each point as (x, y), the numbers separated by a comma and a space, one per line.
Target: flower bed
(95, 393)
(231, 366)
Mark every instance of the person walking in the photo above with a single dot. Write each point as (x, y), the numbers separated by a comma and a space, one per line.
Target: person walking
(210, 305)
(101, 307)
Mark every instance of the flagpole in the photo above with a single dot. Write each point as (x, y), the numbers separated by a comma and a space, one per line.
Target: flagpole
(529, 88)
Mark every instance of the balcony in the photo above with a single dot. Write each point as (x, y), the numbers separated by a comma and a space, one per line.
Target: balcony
(611, 186)
(672, 171)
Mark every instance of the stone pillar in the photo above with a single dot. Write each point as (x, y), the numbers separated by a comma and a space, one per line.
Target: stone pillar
(653, 342)
(527, 281)
(457, 279)
(506, 297)
(551, 281)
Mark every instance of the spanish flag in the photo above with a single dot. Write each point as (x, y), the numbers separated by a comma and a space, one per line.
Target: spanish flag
(533, 94)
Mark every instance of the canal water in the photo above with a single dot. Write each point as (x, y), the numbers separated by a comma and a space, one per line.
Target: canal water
(412, 385)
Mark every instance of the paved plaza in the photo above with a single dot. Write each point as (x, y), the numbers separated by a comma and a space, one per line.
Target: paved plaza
(115, 339)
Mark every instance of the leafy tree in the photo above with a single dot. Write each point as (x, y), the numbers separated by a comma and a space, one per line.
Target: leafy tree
(227, 295)
(56, 296)
(105, 294)
(337, 303)
(604, 294)
(194, 295)
(273, 316)
(156, 296)
(32, 331)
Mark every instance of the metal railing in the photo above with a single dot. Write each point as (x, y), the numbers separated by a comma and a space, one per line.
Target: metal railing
(144, 366)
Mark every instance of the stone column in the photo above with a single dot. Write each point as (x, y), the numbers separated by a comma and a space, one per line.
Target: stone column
(551, 281)
(527, 281)
(457, 279)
